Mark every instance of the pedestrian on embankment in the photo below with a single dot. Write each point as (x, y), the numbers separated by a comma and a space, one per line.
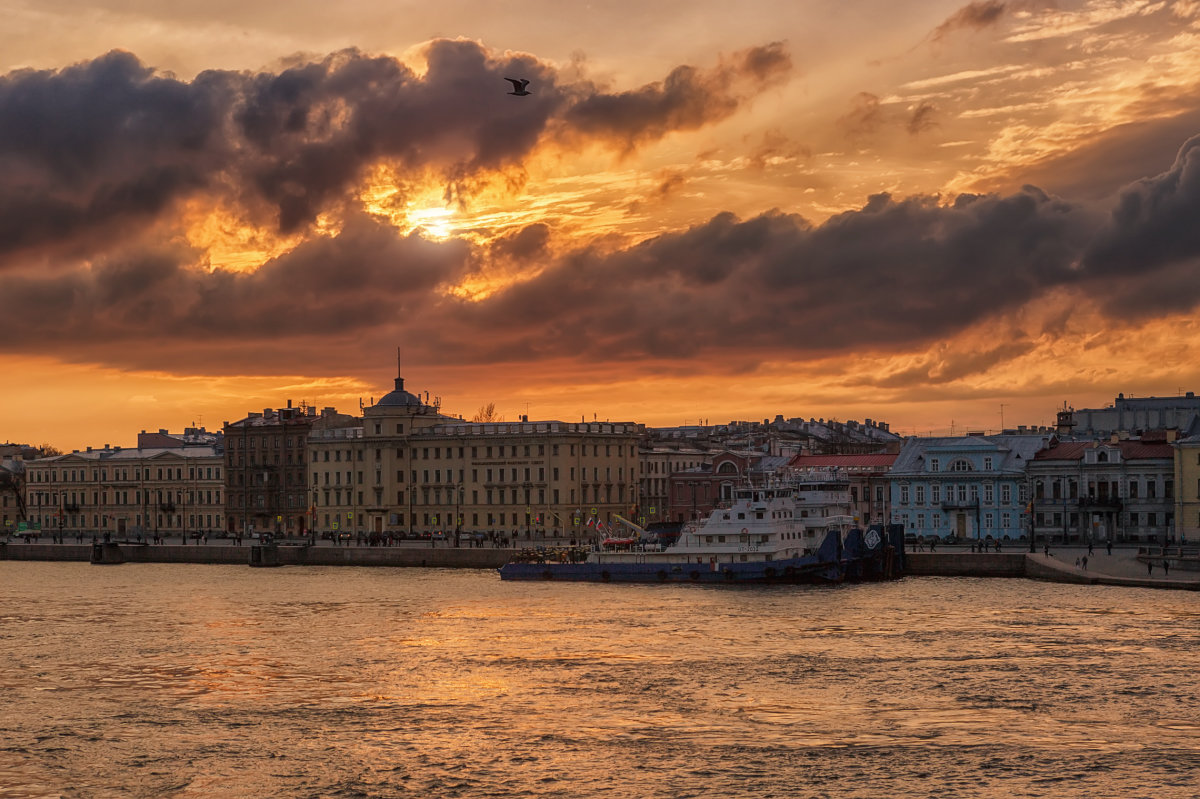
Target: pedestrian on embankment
(1166, 568)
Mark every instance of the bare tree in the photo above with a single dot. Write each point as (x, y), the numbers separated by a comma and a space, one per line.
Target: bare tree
(48, 450)
(487, 413)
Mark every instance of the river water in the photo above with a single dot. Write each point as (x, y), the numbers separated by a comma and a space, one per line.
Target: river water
(215, 681)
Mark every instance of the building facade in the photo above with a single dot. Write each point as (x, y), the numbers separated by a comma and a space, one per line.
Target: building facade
(337, 478)
(1116, 490)
(656, 463)
(128, 492)
(1187, 488)
(424, 472)
(971, 487)
(266, 472)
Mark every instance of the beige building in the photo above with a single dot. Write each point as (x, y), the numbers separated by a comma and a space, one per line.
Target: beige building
(1187, 488)
(128, 492)
(426, 472)
(337, 472)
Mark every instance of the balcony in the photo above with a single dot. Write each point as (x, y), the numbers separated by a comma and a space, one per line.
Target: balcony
(1100, 503)
(960, 504)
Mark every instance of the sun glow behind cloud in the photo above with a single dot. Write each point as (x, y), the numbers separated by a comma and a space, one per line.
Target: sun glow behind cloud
(660, 175)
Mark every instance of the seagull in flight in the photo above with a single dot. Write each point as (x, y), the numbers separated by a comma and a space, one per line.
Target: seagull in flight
(519, 85)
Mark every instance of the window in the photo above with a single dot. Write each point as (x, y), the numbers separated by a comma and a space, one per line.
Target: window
(987, 463)
(935, 493)
(920, 492)
(935, 465)
(988, 494)
(1006, 495)
(960, 465)
(903, 495)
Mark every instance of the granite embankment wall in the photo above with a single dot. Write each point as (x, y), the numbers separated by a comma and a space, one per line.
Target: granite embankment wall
(448, 557)
(965, 564)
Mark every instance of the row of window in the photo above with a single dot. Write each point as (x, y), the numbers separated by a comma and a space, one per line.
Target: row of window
(960, 465)
(75, 521)
(916, 522)
(1148, 519)
(51, 498)
(1135, 488)
(960, 492)
(123, 475)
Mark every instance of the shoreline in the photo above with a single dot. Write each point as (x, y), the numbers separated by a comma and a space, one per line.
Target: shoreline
(1116, 570)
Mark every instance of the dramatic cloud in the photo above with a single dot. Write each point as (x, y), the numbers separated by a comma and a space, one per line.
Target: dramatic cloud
(93, 151)
(894, 272)
(687, 99)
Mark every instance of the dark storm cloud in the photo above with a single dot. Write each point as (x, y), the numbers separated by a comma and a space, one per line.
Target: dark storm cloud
(892, 274)
(365, 277)
(1155, 222)
(94, 151)
(889, 274)
(1150, 247)
(688, 99)
(92, 145)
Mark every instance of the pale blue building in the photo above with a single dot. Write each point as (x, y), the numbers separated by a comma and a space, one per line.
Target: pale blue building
(972, 486)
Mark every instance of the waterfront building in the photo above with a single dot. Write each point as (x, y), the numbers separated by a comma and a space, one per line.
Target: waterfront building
(128, 492)
(1187, 487)
(427, 472)
(12, 495)
(970, 486)
(336, 475)
(266, 469)
(863, 479)
(1119, 490)
(657, 462)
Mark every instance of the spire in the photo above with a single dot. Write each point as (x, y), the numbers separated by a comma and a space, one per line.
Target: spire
(399, 379)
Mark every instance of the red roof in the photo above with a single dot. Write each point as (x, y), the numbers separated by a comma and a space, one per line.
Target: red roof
(1130, 450)
(883, 460)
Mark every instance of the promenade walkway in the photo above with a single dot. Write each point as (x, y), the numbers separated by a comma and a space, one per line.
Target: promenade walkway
(1125, 566)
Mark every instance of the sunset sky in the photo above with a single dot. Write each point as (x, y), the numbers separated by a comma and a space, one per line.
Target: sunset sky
(931, 214)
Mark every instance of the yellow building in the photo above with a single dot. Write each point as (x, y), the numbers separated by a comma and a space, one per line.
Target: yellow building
(1187, 488)
(128, 492)
(426, 472)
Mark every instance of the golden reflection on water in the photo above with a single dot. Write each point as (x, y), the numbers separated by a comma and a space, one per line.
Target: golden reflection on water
(223, 681)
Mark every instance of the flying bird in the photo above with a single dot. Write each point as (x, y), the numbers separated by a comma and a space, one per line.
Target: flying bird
(519, 85)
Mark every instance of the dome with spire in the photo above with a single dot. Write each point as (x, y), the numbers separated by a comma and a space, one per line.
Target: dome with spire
(399, 397)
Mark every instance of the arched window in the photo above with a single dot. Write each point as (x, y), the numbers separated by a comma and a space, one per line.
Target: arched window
(960, 465)
(728, 467)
